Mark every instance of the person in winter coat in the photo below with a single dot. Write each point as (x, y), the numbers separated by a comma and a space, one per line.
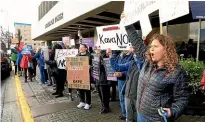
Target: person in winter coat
(162, 82)
(26, 59)
(85, 95)
(18, 62)
(40, 59)
(14, 58)
(124, 57)
(103, 85)
(58, 74)
(130, 88)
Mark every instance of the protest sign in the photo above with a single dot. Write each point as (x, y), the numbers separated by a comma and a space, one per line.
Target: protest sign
(113, 36)
(46, 55)
(78, 75)
(96, 68)
(134, 9)
(72, 42)
(198, 9)
(61, 54)
(145, 25)
(88, 41)
(169, 10)
(109, 70)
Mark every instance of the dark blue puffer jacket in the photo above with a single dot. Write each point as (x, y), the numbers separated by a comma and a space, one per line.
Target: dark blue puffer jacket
(157, 87)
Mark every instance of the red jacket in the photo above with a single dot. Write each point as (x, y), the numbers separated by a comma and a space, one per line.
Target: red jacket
(203, 79)
(24, 61)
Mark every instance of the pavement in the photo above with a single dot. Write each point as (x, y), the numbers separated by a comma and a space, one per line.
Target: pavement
(10, 111)
(38, 105)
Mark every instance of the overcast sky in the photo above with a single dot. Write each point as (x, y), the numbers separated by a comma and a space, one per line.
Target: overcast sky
(22, 11)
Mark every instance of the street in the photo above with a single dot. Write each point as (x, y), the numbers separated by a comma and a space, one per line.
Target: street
(10, 111)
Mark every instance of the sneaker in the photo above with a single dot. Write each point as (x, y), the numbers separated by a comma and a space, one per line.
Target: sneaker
(40, 83)
(81, 105)
(87, 107)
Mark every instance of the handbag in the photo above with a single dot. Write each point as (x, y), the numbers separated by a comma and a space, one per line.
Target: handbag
(30, 64)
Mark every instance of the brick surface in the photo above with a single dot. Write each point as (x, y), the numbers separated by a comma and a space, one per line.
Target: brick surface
(42, 94)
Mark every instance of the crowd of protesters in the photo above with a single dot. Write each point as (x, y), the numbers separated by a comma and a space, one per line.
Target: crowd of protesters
(149, 77)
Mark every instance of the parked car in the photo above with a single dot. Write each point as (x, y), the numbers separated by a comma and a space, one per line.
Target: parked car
(6, 66)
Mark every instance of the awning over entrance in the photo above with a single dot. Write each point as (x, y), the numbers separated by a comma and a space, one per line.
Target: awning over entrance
(106, 14)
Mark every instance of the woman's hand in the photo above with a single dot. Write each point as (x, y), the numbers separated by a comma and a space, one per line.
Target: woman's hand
(168, 110)
(122, 15)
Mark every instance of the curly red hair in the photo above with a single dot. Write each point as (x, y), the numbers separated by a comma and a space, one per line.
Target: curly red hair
(170, 57)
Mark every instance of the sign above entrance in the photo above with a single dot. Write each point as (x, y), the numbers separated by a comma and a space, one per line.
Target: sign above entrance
(198, 9)
(54, 20)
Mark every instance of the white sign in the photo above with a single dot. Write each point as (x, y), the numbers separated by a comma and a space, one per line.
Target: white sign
(72, 42)
(170, 10)
(46, 55)
(61, 54)
(134, 9)
(145, 25)
(114, 37)
(66, 40)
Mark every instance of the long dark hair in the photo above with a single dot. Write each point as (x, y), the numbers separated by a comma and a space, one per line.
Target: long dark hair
(57, 46)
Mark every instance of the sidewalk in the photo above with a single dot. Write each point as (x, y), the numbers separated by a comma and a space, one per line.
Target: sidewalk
(46, 108)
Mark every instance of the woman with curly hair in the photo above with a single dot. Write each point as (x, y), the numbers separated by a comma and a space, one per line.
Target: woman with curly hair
(162, 82)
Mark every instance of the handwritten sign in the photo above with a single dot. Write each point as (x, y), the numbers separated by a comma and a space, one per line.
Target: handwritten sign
(113, 36)
(96, 68)
(78, 76)
(134, 9)
(109, 70)
(61, 54)
(170, 10)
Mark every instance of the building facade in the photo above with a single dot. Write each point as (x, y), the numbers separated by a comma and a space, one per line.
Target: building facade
(25, 30)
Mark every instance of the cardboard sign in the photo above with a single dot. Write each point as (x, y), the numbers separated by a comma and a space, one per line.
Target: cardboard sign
(109, 70)
(170, 10)
(134, 9)
(61, 54)
(96, 68)
(88, 41)
(198, 9)
(113, 36)
(78, 75)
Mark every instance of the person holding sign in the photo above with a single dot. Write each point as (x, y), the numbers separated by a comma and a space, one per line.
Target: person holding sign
(130, 88)
(85, 95)
(122, 58)
(58, 74)
(162, 84)
(103, 85)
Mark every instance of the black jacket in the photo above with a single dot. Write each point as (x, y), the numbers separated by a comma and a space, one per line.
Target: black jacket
(102, 74)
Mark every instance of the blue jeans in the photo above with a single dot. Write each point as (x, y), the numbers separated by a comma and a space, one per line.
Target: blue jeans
(140, 118)
(122, 99)
(42, 75)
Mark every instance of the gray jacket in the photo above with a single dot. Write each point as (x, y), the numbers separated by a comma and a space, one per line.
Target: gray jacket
(156, 87)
